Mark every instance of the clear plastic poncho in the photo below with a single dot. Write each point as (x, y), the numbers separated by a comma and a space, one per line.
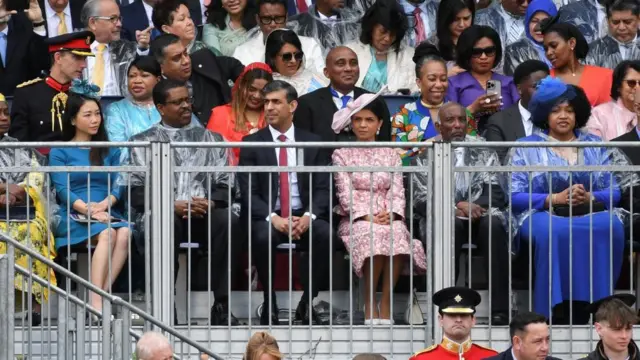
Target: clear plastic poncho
(583, 14)
(605, 52)
(493, 17)
(186, 184)
(468, 187)
(340, 29)
(38, 182)
(605, 186)
(305, 80)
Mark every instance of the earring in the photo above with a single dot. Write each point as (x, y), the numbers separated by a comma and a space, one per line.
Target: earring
(378, 131)
(73, 123)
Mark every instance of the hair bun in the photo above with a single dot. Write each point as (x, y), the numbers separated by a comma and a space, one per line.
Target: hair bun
(425, 49)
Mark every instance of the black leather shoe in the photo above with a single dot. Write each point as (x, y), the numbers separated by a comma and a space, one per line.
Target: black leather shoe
(220, 315)
(264, 316)
(499, 319)
(302, 314)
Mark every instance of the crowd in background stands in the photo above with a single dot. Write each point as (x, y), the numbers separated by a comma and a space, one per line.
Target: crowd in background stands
(304, 70)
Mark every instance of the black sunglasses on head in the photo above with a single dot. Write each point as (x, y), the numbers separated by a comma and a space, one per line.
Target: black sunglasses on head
(298, 55)
(489, 51)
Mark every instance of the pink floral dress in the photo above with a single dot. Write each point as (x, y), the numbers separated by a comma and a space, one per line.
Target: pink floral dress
(360, 194)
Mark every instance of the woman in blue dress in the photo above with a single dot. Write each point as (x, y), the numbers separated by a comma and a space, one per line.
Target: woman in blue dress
(90, 195)
(578, 258)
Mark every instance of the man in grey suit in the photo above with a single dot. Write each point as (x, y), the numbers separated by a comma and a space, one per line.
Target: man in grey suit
(514, 122)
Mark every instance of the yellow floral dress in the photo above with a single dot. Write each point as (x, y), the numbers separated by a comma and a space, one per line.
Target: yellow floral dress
(33, 233)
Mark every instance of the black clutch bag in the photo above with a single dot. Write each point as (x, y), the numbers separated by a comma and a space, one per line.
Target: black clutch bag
(18, 213)
(578, 210)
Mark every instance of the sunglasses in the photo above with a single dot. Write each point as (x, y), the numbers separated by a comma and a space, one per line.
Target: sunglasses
(488, 51)
(632, 83)
(286, 57)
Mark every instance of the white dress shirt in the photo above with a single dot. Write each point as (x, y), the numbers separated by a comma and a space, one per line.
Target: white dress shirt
(525, 115)
(296, 202)
(148, 9)
(110, 86)
(623, 49)
(53, 20)
(338, 101)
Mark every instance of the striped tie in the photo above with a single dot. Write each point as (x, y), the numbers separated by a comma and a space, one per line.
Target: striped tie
(515, 32)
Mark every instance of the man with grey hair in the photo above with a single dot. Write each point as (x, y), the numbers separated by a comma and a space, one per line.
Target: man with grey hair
(479, 199)
(153, 346)
(113, 55)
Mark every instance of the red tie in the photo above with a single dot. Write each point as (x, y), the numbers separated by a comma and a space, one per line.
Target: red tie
(284, 180)
(420, 35)
(302, 6)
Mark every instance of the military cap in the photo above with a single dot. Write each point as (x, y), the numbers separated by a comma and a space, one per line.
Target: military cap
(78, 43)
(457, 300)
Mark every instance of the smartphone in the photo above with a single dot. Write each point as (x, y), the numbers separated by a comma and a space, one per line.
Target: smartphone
(494, 88)
(17, 5)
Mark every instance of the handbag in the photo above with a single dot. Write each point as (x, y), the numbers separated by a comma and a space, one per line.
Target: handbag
(20, 213)
(578, 210)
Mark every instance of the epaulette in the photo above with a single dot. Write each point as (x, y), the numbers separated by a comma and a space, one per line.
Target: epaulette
(27, 83)
(484, 347)
(429, 349)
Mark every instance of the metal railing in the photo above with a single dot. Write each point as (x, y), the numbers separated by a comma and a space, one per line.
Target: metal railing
(192, 290)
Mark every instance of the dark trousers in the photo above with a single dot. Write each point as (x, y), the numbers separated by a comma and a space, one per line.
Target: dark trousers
(217, 246)
(317, 245)
(499, 251)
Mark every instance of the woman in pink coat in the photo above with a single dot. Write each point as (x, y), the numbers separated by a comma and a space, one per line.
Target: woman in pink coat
(372, 206)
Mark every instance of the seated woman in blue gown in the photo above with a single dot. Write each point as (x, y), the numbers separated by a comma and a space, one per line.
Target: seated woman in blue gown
(577, 258)
(90, 195)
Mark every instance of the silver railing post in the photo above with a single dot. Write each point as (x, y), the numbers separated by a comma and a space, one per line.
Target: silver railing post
(7, 292)
(162, 234)
(443, 255)
(64, 338)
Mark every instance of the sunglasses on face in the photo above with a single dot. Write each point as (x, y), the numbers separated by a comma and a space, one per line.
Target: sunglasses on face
(266, 20)
(632, 83)
(488, 51)
(286, 57)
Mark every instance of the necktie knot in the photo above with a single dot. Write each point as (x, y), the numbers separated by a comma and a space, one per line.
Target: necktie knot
(417, 11)
(282, 138)
(62, 26)
(60, 15)
(101, 48)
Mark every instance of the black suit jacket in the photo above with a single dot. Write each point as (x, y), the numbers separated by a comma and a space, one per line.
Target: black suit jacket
(505, 125)
(26, 55)
(315, 114)
(212, 78)
(260, 184)
(75, 6)
(507, 356)
(634, 157)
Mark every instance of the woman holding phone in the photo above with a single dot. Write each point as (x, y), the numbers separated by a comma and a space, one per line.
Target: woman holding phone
(480, 89)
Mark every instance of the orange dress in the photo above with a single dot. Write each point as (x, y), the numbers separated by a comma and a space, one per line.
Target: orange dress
(596, 82)
(449, 350)
(223, 122)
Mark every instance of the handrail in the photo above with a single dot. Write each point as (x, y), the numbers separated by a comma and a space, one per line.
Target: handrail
(113, 299)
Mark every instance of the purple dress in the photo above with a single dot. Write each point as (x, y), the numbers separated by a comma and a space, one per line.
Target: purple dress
(465, 89)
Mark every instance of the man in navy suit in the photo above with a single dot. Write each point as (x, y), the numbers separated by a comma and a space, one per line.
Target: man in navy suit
(530, 339)
(279, 206)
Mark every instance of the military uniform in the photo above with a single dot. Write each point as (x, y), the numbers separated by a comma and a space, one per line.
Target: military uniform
(451, 350)
(455, 301)
(38, 104)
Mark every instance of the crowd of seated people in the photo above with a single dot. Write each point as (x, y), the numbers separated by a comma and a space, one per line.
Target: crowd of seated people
(309, 71)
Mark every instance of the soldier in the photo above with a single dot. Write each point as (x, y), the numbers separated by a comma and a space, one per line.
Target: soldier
(38, 104)
(457, 307)
(614, 319)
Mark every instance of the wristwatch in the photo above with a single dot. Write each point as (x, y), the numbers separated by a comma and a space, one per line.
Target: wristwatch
(41, 23)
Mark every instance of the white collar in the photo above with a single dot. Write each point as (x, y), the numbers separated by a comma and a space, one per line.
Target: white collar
(350, 93)
(621, 43)
(5, 31)
(94, 46)
(325, 18)
(410, 7)
(289, 134)
(526, 114)
(512, 354)
(507, 15)
(49, 9)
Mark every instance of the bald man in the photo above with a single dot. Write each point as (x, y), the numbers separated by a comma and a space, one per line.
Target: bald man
(315, 110)
(153, 346)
